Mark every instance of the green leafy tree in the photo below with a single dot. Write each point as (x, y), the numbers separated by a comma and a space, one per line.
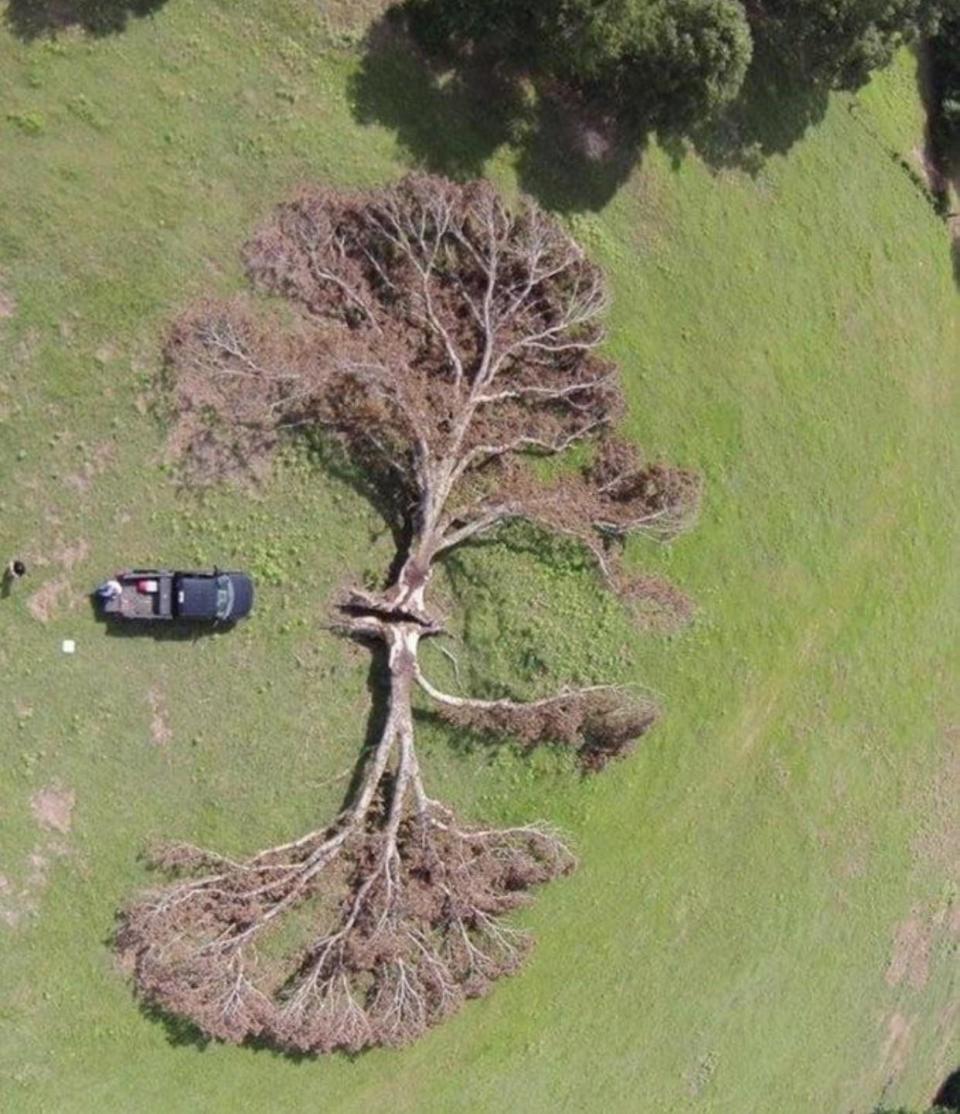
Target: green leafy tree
(945, 70)
(657, 62)
(840, 42)
(671, 63)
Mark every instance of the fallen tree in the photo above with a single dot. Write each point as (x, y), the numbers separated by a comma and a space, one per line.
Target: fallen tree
(441, 338)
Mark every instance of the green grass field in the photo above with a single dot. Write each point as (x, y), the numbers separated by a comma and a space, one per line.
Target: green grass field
(767, 914)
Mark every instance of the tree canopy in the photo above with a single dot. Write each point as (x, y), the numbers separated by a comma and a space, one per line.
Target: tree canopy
(841, 42)
(945, 74)
(672, 63)
(659, 62)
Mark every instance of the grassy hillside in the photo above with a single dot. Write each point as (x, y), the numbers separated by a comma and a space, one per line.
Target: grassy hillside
(767, 912)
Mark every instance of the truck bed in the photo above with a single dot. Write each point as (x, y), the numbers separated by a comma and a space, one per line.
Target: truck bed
(134, 604)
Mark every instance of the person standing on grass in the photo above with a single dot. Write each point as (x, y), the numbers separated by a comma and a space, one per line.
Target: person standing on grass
(14, 571)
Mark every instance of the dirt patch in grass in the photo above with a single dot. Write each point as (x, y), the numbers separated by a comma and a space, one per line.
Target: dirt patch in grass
(39, 866)
(53, 808)
(352, 14)
(946, 1032)
(937, 844)
(9, 914)
(936, 850)
(45, 602)
(896, 1046)
(8, 304)
(910, 961)
(702, 1074)
(79, 481)
(71, 555)
(18, 902)
(657, 604)
(97, 462)
(160, 731)
(26, 348)
(853, 860)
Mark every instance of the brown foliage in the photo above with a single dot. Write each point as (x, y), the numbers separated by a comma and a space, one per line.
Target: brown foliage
(655, 601)
(412, 934)
(600, 724)
(238, 378)
(435, 304)
(635, 497)
(614, 496)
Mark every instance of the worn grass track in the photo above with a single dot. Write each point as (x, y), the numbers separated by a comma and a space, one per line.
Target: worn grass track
(763, 915)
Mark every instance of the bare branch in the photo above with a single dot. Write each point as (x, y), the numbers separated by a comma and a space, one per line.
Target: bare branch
(600, 721)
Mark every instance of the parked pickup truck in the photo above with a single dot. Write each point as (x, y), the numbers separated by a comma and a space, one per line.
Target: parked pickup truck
(146, 595)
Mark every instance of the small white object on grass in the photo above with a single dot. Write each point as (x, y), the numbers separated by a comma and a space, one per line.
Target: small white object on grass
(69, 646)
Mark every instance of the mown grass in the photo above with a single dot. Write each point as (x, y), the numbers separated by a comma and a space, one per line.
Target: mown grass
(793, 335)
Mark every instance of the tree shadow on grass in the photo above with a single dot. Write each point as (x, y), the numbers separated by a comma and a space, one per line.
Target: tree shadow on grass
(466, 580)
(771, 114)
(373, 482)
(941, 154)
(557, 552)
(955, 252)
(181, 1033)
(450, 115)
(33, 19)
(160, 630)
(446, 121)
(574, 159)
(948, 1097)
(378, 687)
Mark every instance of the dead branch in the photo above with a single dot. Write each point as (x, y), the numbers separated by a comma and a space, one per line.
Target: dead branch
(600, 722)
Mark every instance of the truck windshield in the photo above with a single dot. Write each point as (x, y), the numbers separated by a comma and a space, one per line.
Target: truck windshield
(224, 597)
